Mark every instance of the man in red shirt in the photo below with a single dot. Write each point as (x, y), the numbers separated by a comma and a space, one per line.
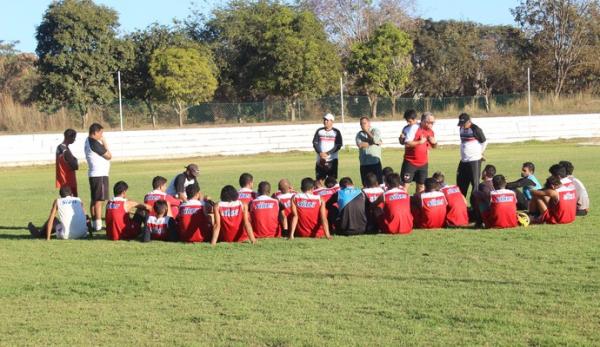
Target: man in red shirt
(66, 163)
(245, 193)
(430, 206)
(555, 204)
(265, 213)
(416, 153)
(395, 217)
(194, 221)
(159, 192)
(284, 195)
(119, 225)
(309, 214)
(457, 214)
(503, 206)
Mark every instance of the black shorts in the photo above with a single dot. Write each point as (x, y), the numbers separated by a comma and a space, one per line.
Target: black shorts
(99, 188)
(329, 169)
(410, 173)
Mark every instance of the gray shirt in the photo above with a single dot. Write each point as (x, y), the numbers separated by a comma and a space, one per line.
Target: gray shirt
(370, 155)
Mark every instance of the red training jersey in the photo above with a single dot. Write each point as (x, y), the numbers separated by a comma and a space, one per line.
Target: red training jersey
(396, 218)
(563, 211)
(193, 225)
(232, 221)
(246, 195)
(264, 213)
(373, 194)
(456, 212)
(155, 195)
(65, 176)
(118, 224)
(503, 210)
(309, 219)
(419, 154)
(432, 211)
(326, 193)
(158, 227)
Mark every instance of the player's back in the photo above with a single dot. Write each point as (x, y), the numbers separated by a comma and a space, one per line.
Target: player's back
(232, 221)
(456, 211)
(432, 211)
(396, 218)
(118, 224)
(564, 210)
(503, 209)
(264, 214)
(308, 208)
(192, 223)
(246, 195)
(158, 227)
(71, 215)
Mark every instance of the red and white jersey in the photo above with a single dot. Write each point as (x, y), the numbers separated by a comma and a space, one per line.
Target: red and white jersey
(193, 225)
(383, 186)
(503, 209)
(326, 193)
(396, 218)
(118, 224)
(563, 211)
(246, 195)
(456, 213)
(158, 227)
(432, 212)
(567, 182)
(309, 220)
(264, 214)
(232, 221)
(286, 201)
(157, 194)
(373, 193)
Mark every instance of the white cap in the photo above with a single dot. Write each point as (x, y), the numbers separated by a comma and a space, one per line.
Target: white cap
(328, 116)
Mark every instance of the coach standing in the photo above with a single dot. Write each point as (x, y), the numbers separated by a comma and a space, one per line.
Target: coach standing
(472, 146)
(368, 140)
(66, 163)
(416, 153)
(98, 157)
(327, 142)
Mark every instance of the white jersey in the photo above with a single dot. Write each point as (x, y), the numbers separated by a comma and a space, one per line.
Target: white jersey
(71, 215)
(583, 200)
(172, 190)
(409, 132)
(97, 165)
(327, 142)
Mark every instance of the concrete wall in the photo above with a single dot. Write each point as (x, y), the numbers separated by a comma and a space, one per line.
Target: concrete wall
(39, 149)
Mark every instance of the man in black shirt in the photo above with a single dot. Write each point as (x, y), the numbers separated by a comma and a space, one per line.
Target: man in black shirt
(182, 180)
(327, 142)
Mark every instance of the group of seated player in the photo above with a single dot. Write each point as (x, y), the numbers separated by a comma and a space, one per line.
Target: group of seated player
(325, 207)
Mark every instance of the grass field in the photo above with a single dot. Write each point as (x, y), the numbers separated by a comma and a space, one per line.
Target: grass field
(530, 286)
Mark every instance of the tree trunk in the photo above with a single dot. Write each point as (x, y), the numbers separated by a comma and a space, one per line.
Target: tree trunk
(373, 103)
(180, 112)
(83, 112)
(150, 107)
(393, 107)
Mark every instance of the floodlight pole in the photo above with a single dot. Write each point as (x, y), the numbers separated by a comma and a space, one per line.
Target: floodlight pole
(342, 96)
(120, 101)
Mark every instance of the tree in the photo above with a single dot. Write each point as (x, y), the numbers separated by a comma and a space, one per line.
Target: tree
(267, 49)
(137, 81)
(18, 75)
(382, 64)
(183, 77)
(78, 55)
(562, 30)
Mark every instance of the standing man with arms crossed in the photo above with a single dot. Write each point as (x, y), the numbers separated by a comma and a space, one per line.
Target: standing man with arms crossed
(66, 163)
(472, 146)
(368, 140)
(416, 153)
(327, 142)
(98, 157)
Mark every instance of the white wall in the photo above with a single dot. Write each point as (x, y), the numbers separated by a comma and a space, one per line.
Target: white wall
(39, 149)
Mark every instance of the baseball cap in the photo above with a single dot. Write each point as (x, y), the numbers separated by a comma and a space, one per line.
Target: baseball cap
(463, 118)
(328, 116)
(193, 169)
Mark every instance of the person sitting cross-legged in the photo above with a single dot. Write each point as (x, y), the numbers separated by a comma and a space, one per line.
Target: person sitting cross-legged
(309, 214)
(555, 204)
(395, 216)
(119, 224)
(429, 208)
(503, 206)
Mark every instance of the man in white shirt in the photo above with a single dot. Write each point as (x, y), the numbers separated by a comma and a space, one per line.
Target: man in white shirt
(472, 146)
(327, 142)
(67, 218)
(98, 157)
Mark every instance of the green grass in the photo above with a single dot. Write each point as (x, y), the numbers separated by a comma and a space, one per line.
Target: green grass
(530, 286)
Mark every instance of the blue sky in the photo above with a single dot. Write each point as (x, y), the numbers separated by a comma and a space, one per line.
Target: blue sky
(18, 18)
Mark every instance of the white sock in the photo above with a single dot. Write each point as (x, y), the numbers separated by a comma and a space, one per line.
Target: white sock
(98, 225)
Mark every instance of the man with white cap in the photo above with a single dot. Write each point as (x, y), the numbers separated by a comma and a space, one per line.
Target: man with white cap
(327, 142)
(181, 181)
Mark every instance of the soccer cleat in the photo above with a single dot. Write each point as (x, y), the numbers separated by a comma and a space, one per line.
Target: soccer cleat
(523, 219)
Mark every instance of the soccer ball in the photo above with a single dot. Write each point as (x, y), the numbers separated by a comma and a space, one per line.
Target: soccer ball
(523, 219)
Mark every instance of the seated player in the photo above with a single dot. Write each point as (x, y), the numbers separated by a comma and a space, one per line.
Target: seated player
(160, 225)
(372, 191)
(284, 195)
(386, 172)
(503, 206)
(395, 216)
(159, 192)
(309, 217)
(245, 193)
(583, 200)
(430, 206)
(232, 222)
(329, 188)
(560, 171)
(265, 213)
(528, 182)
(457, 214)
(555, 204)
(67, 218)
(350, 209)
(480, 199)
(119, 224)
(194, 222)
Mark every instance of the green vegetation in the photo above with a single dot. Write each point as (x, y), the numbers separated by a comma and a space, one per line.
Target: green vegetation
(529, 286)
